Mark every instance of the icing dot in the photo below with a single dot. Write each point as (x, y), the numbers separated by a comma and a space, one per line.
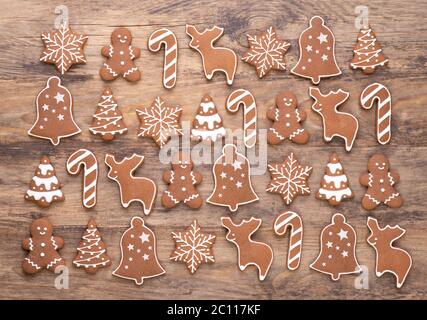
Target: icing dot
(287, 124)
(43, 244)
(381, 180)
(42, 254)
(287, 115)
(126, 267)
(122, 53)
(184, 189)
(182, 177)
(122, 63)
(382, 190)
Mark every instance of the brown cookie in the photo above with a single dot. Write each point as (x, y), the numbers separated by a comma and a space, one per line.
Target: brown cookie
(132, 189)
(380, 181)
(120, 55)
(181, 181)
(54, 113)
(193, 247)
(92, 251)
(207, 124)
(63, 48)
(138, 253)
(214, 58)
(335, 123)
(42, 247)
(316, 52)
(287, 120)
(45, 187)
(367, 52)
(266, 52)
(389, 258)
(250, 252)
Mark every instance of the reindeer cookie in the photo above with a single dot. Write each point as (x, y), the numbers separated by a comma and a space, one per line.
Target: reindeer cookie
(250, 252)
(286, 120)
(139, 189)
(335, 123)
(214, 58)
(42, 247)
(389, 258)
(120, 55)
(380, 181)
(182, 181)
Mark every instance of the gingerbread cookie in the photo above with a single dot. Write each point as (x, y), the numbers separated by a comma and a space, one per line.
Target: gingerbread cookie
(250, 252)
(289, 179)
(242, 97)
(63, 48)
(132, 189)
(334, 186)
(338, 249)
(207, 124)
(335, 123)
(182, 180)
(380, 181)
(92, 251)
(159, 121)
(367, 52)
(167, 38)
(43, 248)
(316, 52)
(232, 174)
(87, 159)
(193, 247)
(54, 113)
(266, 52)
(120, 55)
(45, 187)
(287, 120)
(107, 121)
(389, 258)
(138, 253)
(214, 58)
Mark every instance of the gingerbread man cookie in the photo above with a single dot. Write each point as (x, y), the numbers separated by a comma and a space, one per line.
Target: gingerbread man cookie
(182, 181)
(380, 181)
(120, 55)
(286, 120)
(43, 248)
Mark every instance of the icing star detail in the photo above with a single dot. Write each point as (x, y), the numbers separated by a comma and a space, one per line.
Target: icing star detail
(45, 107)
(322, 38)
(237, 165)
(342, 234)
(59, 97)
(144, 237)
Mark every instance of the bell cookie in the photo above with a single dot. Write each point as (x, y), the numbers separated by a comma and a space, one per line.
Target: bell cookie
(207, 124)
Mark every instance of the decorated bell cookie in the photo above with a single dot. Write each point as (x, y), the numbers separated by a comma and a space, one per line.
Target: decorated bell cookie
(54, 113)
(367, 52)
(232, 180)
(207, 124)
(338, 249)
(45, 187)
(193, 247)
(214, 58)
(316, 52)
(334, 186)
(43, 248)
(92, 251)
(335, 123)
(138, 253)
(389, 258)
(287, 120)
(159, 121)
(132, 189)
(120, 55)
(266, 52)
(380, 181)
(63, 48)
(250, 252)
(289, 178)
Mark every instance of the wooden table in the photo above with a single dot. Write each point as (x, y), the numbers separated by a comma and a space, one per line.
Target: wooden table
(402, 33)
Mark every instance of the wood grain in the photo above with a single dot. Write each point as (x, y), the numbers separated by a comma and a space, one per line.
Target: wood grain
(402, 33)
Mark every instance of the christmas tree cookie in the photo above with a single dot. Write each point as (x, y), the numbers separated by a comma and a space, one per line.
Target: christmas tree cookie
(207, 124)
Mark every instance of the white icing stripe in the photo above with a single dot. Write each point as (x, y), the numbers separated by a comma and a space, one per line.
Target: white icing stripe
(292, 259)
(210, 120)
(296, 244)
(171, 49)
(163, 34)
(333, 167)
(212, 135)
(386, 115)
(90, 169)
(337, 180)
(207, 105)
(48, 195)
(338, 194)
(44, 168)
(371, 94)
(238, 98)
(46, 182)
(70, 165)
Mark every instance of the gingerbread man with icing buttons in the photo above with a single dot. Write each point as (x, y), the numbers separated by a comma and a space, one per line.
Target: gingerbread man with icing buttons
(182, 181)
(120, 55)
(286, 120)
(380, 181)
(43, 248)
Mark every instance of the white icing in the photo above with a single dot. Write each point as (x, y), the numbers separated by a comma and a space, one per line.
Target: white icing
(338, 194)
(44, 168)
(210, 120)
(333, 167)
(209, 135)
(207, 105)
(47, 195)
(46, 182)
(337, 180)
